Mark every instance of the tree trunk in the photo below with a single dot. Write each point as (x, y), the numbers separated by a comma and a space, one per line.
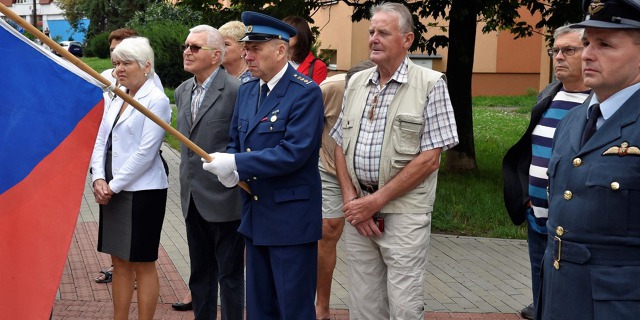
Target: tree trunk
(462, 40)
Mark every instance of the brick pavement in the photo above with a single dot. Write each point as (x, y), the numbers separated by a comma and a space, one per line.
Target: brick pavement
(467, 278)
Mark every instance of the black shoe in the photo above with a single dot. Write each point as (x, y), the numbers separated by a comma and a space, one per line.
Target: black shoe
(527, 312)
(182, 306)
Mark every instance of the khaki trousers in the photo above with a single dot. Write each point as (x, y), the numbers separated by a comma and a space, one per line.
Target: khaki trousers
(386, 274)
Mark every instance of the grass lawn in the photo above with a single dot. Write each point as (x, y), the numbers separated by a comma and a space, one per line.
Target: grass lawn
(472, 204)
(469, 204)
(171, 140)
(98, 64)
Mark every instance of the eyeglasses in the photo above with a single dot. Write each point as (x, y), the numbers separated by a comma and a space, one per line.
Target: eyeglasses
(566, 51)
(194, 48)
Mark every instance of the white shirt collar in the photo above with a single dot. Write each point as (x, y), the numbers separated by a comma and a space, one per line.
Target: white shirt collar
(613, 103)
(272, 83)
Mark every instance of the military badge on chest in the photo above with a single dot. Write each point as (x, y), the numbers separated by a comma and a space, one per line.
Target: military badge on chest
(622, 150)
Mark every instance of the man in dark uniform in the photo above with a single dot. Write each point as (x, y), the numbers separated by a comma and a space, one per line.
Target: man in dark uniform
(276, 132)
(591, 267)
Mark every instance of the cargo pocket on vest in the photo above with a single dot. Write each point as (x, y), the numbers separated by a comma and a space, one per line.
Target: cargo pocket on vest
(405, 135)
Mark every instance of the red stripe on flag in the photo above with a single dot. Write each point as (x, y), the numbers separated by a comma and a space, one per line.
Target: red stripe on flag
(37, 218)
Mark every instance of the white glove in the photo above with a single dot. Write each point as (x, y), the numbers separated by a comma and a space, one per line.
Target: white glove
(223, 164)
(230, 180)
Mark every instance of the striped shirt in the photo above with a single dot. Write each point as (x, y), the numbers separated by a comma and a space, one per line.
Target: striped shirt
(440, 129)
(541, 140)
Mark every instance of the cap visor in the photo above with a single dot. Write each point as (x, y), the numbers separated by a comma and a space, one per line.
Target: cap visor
(602, 25)
(257, 38)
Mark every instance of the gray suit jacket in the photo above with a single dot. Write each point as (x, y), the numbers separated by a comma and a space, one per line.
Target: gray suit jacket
(210, 131)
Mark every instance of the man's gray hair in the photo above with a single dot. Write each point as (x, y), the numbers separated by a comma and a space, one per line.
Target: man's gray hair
(214, 37)
(405, 20)
(566, 30)
(135, 49)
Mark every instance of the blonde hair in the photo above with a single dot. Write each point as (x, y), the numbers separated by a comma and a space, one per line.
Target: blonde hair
(233, 29)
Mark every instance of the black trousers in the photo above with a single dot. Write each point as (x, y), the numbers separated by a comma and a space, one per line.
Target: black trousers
(217, 258)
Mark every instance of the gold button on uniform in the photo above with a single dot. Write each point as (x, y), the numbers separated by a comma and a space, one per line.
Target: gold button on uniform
(615, 186)
(577, 162)
(568, 195)
(255, 178)
(255, 198)
(248, 149)
(559, 231)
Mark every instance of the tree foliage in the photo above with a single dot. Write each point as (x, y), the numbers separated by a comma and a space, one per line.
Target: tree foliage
(163, 12)
(165, 38)
(216, 15)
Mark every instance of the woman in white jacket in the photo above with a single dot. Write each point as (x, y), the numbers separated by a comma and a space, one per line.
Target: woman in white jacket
(129, 180)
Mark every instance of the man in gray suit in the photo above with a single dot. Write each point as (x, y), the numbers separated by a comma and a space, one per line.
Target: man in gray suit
(211, 211)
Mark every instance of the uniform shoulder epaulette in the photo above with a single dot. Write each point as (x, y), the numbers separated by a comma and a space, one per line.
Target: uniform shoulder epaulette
(301, 79)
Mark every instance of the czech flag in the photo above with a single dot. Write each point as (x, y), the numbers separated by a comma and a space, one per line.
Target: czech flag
(50, 111)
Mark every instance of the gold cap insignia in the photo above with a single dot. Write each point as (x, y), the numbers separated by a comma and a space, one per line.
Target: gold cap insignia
(249, 29)
(623, 150)
(595, 6)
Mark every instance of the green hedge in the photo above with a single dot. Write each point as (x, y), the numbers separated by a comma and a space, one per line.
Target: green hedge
(98, 46)
(165, 39)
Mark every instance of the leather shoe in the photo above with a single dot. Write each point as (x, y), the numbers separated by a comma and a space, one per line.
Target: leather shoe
(180, 306)
(527, 312)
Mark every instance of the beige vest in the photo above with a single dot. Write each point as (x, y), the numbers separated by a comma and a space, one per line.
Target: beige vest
(401, 143)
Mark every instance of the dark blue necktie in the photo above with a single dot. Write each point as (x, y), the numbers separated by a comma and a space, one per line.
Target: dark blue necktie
(264, 89)
(591, 127)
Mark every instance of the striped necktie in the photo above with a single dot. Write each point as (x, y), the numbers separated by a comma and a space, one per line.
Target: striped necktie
(195, 102)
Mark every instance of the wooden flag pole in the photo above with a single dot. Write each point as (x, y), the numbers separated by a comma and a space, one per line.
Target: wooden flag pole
(84, 67)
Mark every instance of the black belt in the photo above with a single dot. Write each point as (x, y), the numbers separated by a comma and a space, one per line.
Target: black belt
(369, 188)
(564, 250)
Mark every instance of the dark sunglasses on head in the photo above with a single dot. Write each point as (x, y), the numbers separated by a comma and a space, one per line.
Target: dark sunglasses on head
(194, 48)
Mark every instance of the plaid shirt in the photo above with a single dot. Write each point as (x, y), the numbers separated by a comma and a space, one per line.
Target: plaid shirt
(440, 129)
(205, 86)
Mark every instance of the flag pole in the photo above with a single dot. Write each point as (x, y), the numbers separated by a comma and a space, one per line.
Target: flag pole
(84, 67)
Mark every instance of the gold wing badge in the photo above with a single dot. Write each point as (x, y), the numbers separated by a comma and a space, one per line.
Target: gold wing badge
(595, 6)
(623, 150)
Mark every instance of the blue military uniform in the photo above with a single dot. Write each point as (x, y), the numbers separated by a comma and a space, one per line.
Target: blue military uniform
(592, 261)
(276, 150)
(591, 268)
